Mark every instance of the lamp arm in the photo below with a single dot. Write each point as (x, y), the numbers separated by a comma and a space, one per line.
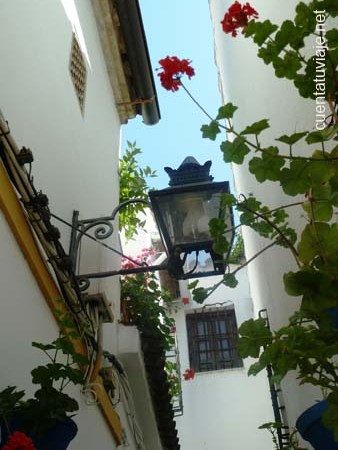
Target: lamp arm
(84, 278)
(128, 202)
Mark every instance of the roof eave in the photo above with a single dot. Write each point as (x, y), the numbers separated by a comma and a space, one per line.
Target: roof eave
(127, 58)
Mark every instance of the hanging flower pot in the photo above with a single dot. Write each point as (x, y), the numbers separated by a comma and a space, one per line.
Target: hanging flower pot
(312, 429)
(57, 437)
(333, 313)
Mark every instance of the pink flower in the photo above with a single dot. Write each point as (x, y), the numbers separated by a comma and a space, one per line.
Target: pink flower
(189, 374)
(19, 441)
(238, 16)
(172, 70)
(185, 300)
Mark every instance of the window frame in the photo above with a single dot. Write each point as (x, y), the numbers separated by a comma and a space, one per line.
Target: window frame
(204, 329)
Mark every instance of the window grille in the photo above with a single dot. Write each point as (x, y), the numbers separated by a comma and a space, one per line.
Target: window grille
(78, 72)
(212, 339)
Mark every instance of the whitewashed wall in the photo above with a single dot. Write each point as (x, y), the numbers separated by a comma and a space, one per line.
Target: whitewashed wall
(223, 408)
(251, 85)
(75, 164)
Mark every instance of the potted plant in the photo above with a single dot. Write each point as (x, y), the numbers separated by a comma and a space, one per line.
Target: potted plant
(43, 421)
(143, 303)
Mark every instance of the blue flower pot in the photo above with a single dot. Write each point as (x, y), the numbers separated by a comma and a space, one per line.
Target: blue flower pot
(57, 438)
(333, 313)
(311, 428)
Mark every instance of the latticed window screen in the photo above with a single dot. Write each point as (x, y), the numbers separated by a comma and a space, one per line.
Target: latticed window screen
(212, 337)
(78, 72)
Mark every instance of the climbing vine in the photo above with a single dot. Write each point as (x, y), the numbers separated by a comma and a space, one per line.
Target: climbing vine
(133, 184)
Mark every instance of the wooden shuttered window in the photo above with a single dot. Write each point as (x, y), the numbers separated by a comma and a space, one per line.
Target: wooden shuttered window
(212, 338)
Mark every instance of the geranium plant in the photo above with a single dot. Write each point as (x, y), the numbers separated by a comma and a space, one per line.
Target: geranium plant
(144, 303)
(25, 419)
(309, 342)
(238, 16)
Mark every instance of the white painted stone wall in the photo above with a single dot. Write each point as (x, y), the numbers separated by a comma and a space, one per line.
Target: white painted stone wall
(223, 408)
(75, 164)
(251, 85)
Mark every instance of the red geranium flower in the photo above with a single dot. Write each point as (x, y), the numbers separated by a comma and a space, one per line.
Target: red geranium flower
(19, 441)
(185, 300)
(172, 70)
(189, 374)
(238, 16)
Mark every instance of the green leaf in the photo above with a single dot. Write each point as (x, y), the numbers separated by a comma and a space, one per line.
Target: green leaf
(217, 226)
(306, 282)
(210, 131)
(330, 7)
(332, 38)
(323, 135)
(268, 167)
(295, 180)
(9, 399)
(226, 111)
(279, 216)
(230, 280)
(305, 18)
(253, 335)
(260, 30)
(286, 35)
(318, 238)
(257, 127)
(256, 367)
(268, 53)
(220, 245)
(251, 203)
(193, 284)
(319, 204)
(288, 66)
(292, 139)
(318, 209)
(199, 294)
(321, 170)
(235, 151)
(228, 200)
(152, 285)
(43, 347)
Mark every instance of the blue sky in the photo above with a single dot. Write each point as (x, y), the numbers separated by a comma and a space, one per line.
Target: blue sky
(183, 29)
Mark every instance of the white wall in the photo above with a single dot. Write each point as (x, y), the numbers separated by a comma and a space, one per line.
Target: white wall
(75, 156)
(223, 408)
(251, 85)
(75, 164)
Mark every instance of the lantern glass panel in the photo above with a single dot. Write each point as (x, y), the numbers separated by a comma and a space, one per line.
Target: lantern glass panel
(185, 214)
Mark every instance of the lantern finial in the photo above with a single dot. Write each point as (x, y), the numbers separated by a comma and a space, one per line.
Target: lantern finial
(189, 172)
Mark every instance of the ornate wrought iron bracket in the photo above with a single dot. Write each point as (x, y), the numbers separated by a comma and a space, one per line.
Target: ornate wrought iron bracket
(102, 229)
(102, 226)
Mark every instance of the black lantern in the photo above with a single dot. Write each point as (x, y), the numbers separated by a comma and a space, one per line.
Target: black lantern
(183, 212)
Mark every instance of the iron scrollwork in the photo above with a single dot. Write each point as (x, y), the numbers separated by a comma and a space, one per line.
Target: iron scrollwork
(102, 228)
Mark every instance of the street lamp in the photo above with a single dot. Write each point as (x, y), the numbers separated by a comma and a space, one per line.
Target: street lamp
(182, 213)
